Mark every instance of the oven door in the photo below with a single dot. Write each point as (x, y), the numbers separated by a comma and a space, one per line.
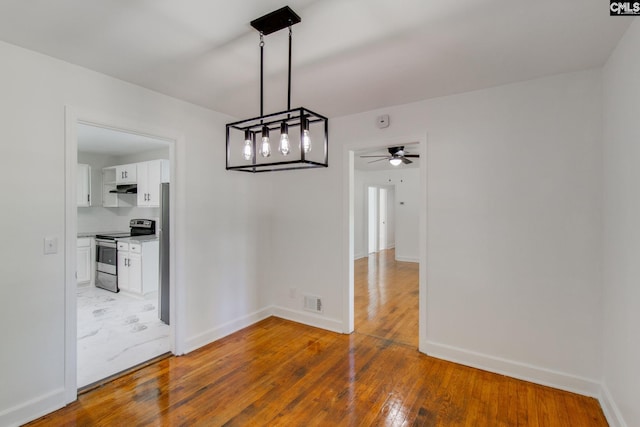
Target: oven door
(106, 257)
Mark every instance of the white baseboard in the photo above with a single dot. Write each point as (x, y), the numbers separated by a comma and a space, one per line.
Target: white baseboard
(610, 409)
(33, 409)
(523, 371)
(308, 318)
(407, 259)
(358, 256)
(225, 329)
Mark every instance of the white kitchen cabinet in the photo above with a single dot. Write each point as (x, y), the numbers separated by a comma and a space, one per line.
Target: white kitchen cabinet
(150, 175)
(84, 265)
(83, 192)
(109, 200)
(138, 266)
(135, 273)
(126, 174)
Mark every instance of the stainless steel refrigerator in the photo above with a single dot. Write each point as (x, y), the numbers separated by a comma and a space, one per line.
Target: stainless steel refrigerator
(163, 234)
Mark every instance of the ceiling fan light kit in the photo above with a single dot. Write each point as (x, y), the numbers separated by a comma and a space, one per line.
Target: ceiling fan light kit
(302, 134)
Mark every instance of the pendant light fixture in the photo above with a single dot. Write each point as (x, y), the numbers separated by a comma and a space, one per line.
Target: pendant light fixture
(301, 135)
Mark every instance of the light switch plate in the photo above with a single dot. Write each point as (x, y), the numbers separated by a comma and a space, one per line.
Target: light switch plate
(50, 245)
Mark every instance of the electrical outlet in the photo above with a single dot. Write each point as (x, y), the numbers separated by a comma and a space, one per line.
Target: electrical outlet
(50, 245)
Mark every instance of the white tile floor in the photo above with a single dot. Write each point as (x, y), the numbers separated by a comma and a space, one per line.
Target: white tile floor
(116, 332)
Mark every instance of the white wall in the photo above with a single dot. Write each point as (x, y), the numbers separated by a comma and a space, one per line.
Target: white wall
(406, 184)
(621, 235)
(218, 238)
(514, 226)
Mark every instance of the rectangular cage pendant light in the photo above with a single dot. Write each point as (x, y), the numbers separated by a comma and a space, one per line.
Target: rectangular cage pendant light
(296, 138)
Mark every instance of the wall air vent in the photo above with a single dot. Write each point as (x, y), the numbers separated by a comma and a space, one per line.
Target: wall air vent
(312, 303)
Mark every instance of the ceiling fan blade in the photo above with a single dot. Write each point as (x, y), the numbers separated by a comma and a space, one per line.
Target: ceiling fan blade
(412, 155)
(374, 156)
(379, 160)
(405, 160)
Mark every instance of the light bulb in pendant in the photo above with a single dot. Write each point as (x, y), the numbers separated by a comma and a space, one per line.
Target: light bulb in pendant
(306, 138)
(247, 151)
(265, 147)
(284, 146)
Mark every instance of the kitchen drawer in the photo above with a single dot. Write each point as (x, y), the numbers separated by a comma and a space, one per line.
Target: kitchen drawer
(135, 248)
(84, 242)
(123, 246)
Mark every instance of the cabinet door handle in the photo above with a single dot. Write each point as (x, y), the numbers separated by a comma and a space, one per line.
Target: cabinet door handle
(126, 174)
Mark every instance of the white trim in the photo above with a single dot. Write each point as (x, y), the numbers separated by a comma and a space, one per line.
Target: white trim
(611, 411)
(71, 232)
(407, 259)
(176, 141)
(33, 409)
(348, 242)
(522, 371)
(309, 319)
(226, 329)
(360, 256)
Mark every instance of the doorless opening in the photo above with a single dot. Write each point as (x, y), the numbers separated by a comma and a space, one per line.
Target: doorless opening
(73, 120)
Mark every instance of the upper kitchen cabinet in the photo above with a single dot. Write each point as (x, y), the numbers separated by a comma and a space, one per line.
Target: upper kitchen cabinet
(83, 192)
(150, 175)
(126, 174)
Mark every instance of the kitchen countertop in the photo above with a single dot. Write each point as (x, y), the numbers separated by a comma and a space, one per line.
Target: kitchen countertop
(94, 233)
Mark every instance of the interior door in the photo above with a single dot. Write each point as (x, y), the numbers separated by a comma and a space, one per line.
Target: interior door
(373, 219)
(382, 219)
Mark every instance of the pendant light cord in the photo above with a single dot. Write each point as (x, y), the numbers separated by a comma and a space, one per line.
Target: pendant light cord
(289, 74)
(261, 74)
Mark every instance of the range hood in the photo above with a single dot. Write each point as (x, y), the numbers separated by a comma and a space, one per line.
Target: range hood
(126, 189)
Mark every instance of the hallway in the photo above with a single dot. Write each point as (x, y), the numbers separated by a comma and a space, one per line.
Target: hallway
(386, 298)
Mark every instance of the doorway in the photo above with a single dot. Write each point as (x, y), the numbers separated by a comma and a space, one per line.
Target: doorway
(120, 324)
(381, 264)
(134, 312)
(380, 218)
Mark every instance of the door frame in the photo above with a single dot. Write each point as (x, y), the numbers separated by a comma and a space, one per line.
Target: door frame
(74, 116)
(348, 228)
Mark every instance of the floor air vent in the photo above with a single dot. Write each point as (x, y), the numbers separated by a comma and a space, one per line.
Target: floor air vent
(312, 303)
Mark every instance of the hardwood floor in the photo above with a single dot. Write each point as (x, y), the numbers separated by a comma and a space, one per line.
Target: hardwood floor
(386, 298)
(281, 373)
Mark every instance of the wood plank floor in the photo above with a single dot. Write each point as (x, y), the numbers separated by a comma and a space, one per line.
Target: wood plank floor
(386, 297)
(280, 373)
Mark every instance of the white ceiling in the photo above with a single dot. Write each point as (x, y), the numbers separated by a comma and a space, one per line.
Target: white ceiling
(349, 55)
(94, 139)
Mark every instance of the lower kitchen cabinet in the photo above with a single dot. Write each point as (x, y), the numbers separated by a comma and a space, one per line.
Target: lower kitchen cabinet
(84, 265)
(138, 267)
